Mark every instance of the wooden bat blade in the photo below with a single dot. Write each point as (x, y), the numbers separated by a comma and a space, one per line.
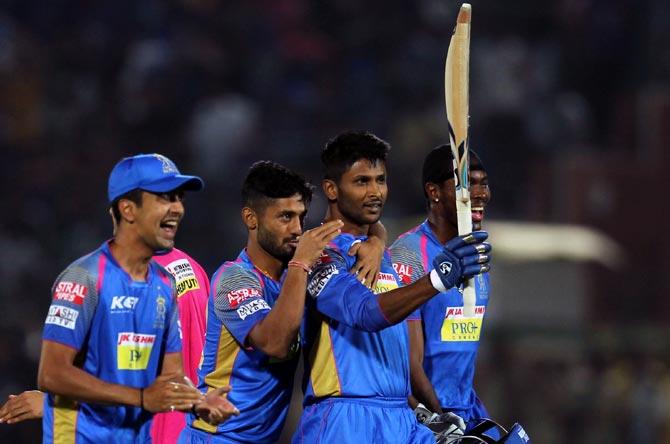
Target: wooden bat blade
(457, 98)
(456, 93)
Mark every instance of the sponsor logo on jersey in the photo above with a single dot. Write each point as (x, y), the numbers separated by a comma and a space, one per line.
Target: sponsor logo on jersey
(184, 275)
(133, 350)
(385, 282)
(70, 292)
(62, 316)
(239, 295)
(123, 304)
(457, 327)
(404, 272)
(252, 307)
(320, 278)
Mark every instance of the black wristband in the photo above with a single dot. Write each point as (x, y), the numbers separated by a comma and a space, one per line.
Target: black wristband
(194, 412)
(142, 398)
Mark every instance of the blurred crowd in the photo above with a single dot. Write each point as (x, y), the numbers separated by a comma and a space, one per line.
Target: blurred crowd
(216, 85)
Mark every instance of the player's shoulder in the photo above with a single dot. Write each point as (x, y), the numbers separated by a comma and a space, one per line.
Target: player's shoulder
(337, 249)
(234, 271)
(408, 239)
(175, 256)
(85, 267)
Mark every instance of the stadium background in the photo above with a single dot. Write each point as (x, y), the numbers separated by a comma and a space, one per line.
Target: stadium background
(570, 108)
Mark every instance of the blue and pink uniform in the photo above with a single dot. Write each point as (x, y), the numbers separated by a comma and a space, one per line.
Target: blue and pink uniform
(356, 364)
(192, 286)
(451, 338)
(120, 328)
(242, 296)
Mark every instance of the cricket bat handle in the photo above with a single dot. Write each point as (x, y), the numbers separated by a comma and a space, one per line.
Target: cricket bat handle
(469, 298)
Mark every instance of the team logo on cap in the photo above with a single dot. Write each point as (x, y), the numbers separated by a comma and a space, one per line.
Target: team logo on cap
(168, 166)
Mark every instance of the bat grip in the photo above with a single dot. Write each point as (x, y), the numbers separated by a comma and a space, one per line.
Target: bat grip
(469, 298)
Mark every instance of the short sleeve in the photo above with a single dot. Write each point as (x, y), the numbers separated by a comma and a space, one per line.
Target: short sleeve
(73, 304)
(238, 301)
(409, 267)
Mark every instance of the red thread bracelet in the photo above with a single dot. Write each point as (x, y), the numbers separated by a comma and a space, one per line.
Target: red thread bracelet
(299, 264)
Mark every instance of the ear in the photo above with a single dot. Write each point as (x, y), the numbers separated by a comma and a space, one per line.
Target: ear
(127, 209)
(329, 189)
(249, 218)
(432, 191)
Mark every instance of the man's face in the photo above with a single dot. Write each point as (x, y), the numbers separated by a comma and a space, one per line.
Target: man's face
(158, 218)
(362, 191)
(479, 198)
(280, 225)
(480, 195)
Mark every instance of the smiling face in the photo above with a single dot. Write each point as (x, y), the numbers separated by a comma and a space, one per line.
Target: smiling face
(361, 192)
(443, 198)
(157, 218)
(280, 225)
(480, 195)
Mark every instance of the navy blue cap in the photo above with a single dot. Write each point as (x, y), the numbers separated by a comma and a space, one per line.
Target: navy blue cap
(149, 172)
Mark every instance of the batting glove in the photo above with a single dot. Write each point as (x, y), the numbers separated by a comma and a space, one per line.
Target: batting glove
(461, 258)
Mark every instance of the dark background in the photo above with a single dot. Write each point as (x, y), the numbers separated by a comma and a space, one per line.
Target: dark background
(570, 107)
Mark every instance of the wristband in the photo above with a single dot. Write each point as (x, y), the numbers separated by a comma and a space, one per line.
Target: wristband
(301, 265)
(436, 281)
(142, 398)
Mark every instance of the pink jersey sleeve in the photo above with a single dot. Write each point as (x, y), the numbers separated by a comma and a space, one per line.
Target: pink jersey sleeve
(192, 294)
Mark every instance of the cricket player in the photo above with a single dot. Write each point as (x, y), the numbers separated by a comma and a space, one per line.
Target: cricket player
(192, 292)
(256, 308)
(443, 342)
(111, 350)
(356, 347)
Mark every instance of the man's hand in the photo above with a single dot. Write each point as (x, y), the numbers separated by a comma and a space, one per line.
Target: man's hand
(312, 242)
(215, 408)
(27, 405)
(368, 261)
(167, 395)
(461, 258)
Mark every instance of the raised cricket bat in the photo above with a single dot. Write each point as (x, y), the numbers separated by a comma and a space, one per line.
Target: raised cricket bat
(456, 92)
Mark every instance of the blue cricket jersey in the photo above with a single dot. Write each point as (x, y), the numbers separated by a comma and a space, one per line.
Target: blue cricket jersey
(241, 296)
(351, 350)
(120, 329)
(451, 338)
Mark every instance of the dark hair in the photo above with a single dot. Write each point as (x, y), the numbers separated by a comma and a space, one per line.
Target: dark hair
(345, 149)
(132, 195)
(268, 180)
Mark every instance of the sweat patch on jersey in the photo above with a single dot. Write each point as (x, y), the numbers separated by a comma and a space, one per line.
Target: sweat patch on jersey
(320, 278)
(184, 275)
(62, 316)
(457, 327)
(70, 292)
(133, 350)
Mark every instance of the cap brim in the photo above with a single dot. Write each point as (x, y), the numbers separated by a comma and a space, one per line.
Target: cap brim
(186, 183)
